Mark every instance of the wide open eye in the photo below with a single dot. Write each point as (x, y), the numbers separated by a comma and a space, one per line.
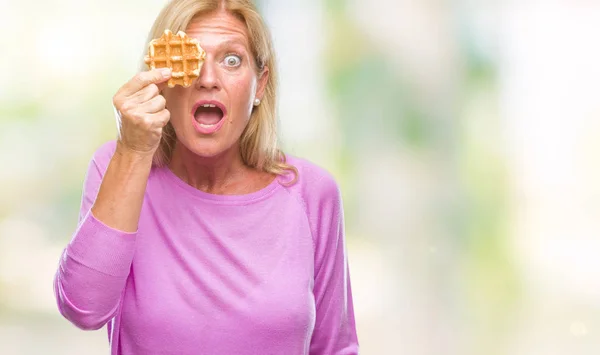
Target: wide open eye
(232, 60)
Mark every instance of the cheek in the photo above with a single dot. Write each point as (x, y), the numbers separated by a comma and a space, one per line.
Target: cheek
(243, 94)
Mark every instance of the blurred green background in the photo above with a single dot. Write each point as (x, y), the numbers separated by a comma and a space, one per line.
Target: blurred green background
(464, 134)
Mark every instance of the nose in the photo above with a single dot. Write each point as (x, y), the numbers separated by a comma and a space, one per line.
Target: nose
(209, 76)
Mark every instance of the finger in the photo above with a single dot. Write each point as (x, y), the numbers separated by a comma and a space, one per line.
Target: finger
(161, 118)
(145, 78)
(162, 85)
(147, 93)
(154, 105)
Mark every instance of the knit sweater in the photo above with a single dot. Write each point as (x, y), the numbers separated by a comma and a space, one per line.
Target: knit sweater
(254, 274)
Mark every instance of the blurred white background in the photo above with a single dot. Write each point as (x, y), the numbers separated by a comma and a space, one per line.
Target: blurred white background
(465, 137)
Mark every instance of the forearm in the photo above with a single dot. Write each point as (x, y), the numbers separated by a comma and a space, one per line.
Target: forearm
(121, 193)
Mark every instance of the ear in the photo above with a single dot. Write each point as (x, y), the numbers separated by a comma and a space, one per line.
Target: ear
(263, 79)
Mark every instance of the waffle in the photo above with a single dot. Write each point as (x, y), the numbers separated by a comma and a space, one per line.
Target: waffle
(180, 53)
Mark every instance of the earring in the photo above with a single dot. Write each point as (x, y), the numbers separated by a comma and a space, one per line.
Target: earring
(256, 102)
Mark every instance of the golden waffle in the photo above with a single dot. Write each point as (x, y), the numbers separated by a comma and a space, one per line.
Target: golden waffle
(180, 53)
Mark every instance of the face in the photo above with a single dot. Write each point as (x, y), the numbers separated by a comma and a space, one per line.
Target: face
(210, 116)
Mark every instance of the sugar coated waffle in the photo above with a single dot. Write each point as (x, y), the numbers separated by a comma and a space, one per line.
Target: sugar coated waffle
(182, 54)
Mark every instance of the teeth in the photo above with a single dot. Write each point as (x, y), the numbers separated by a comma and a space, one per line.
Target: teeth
(209, 105)
(206, 125)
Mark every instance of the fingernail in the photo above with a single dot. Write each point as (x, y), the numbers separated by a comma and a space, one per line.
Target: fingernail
(165, 72)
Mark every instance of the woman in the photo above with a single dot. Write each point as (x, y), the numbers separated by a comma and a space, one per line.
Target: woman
(196, 234)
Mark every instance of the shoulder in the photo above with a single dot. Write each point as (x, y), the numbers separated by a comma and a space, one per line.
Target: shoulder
(103, 154)
(314, 183)
(318, 191)
(105, 151)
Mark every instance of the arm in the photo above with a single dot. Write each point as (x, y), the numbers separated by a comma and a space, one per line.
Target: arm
(95, 264)
(335, 329)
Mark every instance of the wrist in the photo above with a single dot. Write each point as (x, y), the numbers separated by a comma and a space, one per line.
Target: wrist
(132, 155)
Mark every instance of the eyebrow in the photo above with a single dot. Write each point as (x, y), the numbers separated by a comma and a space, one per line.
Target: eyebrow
(233, 42)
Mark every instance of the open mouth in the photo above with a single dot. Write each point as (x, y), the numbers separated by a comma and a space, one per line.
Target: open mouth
(208, 114)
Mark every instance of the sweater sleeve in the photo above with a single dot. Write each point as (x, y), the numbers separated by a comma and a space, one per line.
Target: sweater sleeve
(94, 266)
(335, 329)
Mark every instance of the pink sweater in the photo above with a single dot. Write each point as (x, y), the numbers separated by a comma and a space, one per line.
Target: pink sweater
(256, 274)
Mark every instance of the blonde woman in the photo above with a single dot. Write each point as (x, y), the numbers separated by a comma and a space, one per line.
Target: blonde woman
(197, 235)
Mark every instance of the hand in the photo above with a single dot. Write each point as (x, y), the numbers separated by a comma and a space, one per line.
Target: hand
(141, 111)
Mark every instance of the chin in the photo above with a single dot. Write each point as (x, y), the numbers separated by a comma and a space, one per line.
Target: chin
(207, 148)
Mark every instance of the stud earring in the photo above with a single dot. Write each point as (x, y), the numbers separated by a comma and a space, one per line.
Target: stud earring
(256, 102)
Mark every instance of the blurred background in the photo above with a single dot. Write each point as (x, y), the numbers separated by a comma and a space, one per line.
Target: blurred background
(464, 134)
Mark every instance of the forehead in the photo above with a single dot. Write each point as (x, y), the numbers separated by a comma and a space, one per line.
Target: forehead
(214, 28)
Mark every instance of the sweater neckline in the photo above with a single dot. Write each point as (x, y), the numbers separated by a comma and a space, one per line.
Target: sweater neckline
(242, 198)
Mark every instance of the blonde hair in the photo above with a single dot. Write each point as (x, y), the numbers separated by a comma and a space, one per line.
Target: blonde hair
(258, 142)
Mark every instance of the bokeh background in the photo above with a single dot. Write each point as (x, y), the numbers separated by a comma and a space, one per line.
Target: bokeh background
(464, 134)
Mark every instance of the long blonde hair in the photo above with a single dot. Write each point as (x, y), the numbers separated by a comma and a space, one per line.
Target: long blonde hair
(259, 141)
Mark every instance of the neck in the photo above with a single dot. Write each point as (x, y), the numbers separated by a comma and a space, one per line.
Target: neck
(209, 174)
